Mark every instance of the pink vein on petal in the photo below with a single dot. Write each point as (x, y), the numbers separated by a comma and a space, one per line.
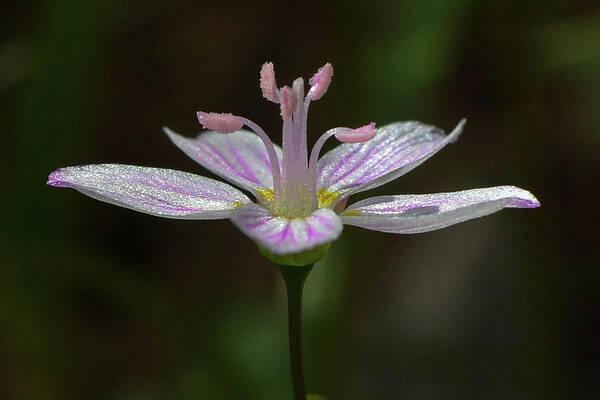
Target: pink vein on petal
(249, 174)
(324, 221)
(312, 233)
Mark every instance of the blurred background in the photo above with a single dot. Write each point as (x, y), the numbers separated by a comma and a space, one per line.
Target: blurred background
(99, 302)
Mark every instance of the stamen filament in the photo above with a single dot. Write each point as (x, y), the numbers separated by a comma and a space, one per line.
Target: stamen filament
(275, 167)
(346, 135)
(314, 155)
(304, 124)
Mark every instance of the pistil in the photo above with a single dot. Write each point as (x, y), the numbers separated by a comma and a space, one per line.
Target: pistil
(296, 199)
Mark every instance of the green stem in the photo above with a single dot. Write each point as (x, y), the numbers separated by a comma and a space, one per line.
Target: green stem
(294, 278)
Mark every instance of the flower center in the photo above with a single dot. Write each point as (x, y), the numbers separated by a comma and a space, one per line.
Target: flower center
(294, 192)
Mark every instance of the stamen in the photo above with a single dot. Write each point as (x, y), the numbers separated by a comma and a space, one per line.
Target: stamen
(346, 135)
(224, 123)
(220, 122)
(273, 159)
(320, 82)
(268, 85)
(289, 101)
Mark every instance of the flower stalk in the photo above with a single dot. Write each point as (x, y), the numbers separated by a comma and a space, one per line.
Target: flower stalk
(294, 277)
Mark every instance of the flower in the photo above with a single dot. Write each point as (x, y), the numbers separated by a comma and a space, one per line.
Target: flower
(300, 199)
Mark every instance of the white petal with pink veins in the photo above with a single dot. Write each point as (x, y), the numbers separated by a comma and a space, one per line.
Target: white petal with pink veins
(427, 212)
(161, 192)
(395, 150)
(239, 157)
(281, 235)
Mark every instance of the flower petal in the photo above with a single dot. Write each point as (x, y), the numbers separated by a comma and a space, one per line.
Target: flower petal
(239, 157)
(282, 235)
(395, 150)
(160, 192)
(428, 212)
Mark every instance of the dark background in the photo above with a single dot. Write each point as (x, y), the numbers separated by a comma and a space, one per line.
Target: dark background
(98, 302)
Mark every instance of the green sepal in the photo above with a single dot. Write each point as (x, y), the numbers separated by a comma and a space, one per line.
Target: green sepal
(306, 257)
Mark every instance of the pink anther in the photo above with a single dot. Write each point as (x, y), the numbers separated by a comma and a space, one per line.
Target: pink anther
(268, 85)
(220, 122)
(320, 82)
(289, 101)
(358, 135)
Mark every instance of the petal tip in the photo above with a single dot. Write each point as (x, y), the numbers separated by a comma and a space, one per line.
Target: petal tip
(523, 199)
(54, 179)
(169, 132)
(526, 202)
(457, 130)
